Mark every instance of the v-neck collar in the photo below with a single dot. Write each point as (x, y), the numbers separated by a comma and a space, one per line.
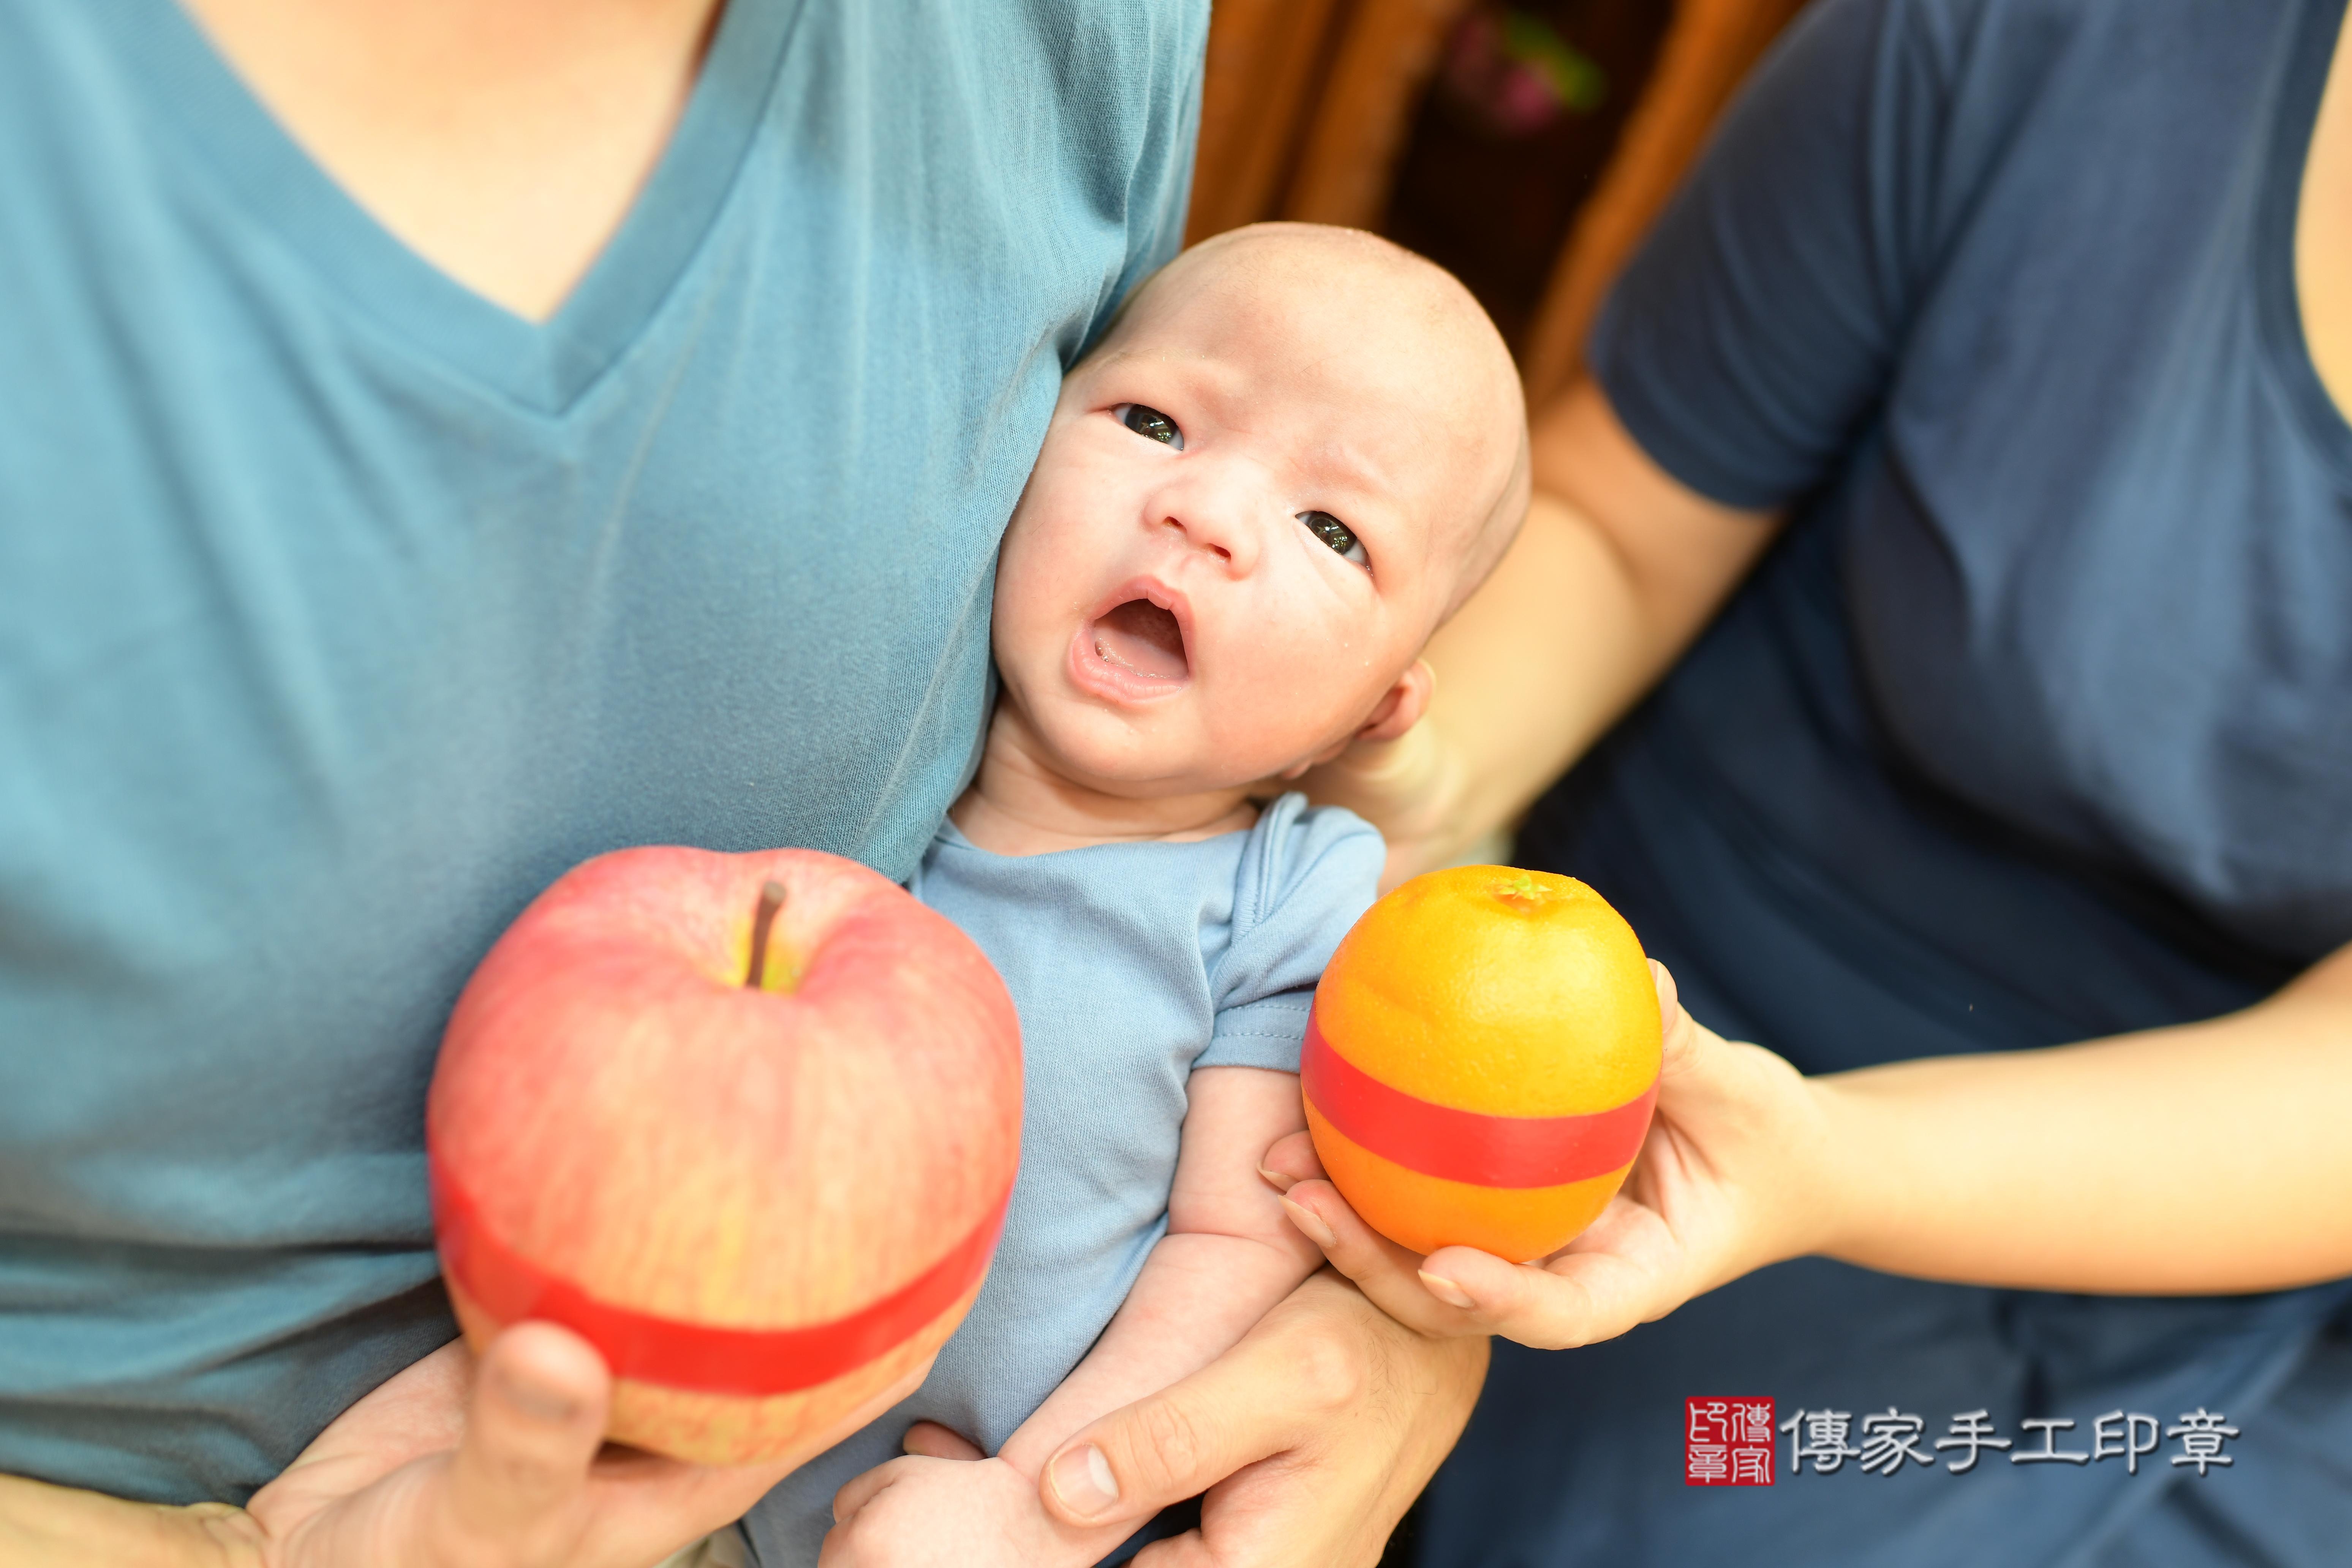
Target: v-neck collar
(544, 365)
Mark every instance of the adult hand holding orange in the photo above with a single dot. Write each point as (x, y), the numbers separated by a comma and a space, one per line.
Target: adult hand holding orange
(1722, 1183)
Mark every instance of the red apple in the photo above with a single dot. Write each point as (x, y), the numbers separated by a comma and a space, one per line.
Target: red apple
(762, 1203)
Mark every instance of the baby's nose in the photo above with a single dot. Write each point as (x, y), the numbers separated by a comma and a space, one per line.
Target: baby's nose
(1217, 526)
(1208, 540)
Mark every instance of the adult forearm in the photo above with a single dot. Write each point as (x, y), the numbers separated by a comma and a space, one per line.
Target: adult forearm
(1617, 570)
(2205, 1158)
(1536, 667)
(43, 1526)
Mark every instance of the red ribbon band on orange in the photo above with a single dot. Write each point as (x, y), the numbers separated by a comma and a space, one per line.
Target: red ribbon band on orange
(1468, 1145)
(675, 1354)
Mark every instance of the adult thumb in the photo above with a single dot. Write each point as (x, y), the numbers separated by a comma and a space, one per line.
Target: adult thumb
(517, 1487)
(1683, 1043)
(1702, 1076)
(1161, 1449)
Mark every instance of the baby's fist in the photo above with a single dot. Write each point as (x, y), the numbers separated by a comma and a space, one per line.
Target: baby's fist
(922, 1513)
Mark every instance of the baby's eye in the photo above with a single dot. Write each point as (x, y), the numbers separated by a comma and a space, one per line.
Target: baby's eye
(1151, 422)
(1336, 534)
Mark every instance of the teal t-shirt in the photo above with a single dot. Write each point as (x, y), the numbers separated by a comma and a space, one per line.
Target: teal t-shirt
(340, 610)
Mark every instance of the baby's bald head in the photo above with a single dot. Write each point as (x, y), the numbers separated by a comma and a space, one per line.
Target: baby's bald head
(1295, 453)
(1360, 312)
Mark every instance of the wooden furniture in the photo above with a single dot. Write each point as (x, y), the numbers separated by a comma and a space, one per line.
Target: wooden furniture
(1266, 63)
(1308, 104)
(1707, 51)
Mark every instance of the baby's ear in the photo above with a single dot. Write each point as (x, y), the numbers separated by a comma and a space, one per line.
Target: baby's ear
(1402, 705)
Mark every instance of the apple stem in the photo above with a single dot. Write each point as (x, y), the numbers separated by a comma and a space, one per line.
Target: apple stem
(772, 899)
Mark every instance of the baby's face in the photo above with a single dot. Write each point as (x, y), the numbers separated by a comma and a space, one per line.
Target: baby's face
(1252, 508)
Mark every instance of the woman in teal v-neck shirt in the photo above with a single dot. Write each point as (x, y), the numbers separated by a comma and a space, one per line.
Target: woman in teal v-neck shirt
(438, 443)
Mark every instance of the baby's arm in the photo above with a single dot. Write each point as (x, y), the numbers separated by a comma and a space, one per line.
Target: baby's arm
(1229, 1256)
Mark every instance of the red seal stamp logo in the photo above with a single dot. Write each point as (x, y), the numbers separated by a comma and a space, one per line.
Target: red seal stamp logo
(1728, 1442)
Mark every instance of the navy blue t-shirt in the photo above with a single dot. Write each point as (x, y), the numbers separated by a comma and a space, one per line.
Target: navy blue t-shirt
(341, 610)
(2039, 725)
(2036, 726)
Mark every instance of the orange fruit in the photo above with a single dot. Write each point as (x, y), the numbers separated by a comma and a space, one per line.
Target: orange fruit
(1481, 1060)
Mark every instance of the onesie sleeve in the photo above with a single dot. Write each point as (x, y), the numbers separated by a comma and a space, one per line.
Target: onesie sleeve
(1306, 875)
(1751, 340)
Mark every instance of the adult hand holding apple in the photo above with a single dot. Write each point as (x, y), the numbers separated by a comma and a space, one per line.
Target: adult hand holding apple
(745, 1123)
(454, 1463)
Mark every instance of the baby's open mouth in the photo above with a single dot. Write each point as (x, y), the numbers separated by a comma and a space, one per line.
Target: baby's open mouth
(1144, 638)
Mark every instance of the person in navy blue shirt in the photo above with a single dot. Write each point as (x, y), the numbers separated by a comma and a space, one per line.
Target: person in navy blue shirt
(1962, 504)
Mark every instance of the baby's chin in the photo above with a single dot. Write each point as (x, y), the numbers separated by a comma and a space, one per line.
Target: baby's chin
(1146, 775)
(1196, 740)
(1126, 764)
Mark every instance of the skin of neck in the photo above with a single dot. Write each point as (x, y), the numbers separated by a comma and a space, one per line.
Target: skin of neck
(503, 141)
(1022, 803)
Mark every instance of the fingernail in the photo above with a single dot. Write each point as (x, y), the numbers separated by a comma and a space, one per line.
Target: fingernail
(539, 1403)
(1308, 1221)
(1276, 1179)
(1082, 1479)
(1446, 1290)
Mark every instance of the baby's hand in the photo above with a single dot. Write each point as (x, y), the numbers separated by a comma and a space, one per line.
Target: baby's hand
(921, 1512)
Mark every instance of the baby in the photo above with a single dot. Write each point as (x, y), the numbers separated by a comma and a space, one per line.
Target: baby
(1294, 452)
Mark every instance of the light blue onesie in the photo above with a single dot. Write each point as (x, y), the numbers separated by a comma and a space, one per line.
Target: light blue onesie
(1131, 964)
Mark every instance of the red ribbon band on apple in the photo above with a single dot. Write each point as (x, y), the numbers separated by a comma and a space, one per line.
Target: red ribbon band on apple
(1468, 1145)
(675, 1354)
